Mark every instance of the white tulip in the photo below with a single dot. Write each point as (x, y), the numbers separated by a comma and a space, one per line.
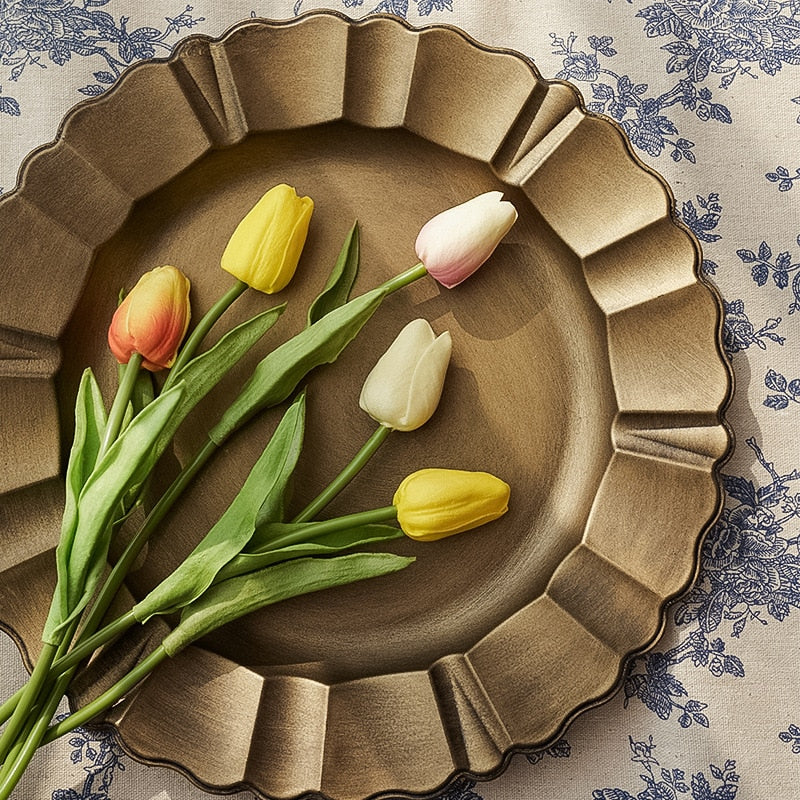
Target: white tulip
(403, 389)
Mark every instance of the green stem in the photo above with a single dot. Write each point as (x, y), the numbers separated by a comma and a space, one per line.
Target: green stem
(7, 709)
(120, 569)
(87, 644)
(64, 666)
(202, 328)
(36, 709)
(24, 751)
(405, 278)
(108, 698)
(28, 698)
(118, 408)
(345, 476)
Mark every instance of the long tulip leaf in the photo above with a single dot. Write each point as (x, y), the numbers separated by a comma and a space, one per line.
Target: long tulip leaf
(235, 527)
(83, 547)
(326, 545)
(277, 375)
(90, 422)
(235, 597)
(340, 282)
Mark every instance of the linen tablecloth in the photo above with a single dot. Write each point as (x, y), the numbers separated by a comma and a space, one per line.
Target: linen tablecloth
(708, 92)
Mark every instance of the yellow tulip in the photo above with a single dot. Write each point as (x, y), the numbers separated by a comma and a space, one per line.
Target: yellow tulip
(434, 503)
(265, 247)
(152, 319)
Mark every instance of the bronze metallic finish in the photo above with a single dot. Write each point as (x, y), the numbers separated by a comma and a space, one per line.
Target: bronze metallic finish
(587, 373)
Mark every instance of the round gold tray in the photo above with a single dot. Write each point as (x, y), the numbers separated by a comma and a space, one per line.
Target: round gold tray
(587, 373)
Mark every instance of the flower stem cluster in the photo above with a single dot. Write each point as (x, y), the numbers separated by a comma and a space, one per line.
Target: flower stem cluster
(253, 555)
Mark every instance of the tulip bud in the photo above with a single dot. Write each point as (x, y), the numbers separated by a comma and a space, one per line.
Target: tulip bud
(265, 247)
(403, 389)
(152, 319)
(453, 244)
(434, 503)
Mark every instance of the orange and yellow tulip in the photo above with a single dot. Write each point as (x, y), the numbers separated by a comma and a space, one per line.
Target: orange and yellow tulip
(152, 319)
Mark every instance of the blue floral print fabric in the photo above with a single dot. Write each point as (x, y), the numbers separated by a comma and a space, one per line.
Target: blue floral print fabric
(708, 92)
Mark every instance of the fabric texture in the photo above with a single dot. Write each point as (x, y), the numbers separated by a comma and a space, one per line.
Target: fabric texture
(707, 91)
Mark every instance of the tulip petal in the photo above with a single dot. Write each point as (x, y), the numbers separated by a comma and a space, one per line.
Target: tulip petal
(427, 383)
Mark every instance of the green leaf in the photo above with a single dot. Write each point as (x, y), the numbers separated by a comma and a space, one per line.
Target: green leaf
(252, 560)
(83, 547)
(143, 391)
(277, 375)
(287, 453)
(233, 598)
(340, 283)
(235, 527)
(205, 371)
(90, 422)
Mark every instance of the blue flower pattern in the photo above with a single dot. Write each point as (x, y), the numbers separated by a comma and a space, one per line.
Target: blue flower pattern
(662, 783)
(101, 760)
(42, 33)
(646, 119)
(750, 565)
(725, 39)
(750, 575)
(792, 737)
(778, 269)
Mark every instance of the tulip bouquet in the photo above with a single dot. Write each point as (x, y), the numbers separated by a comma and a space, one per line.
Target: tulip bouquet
(253, 555)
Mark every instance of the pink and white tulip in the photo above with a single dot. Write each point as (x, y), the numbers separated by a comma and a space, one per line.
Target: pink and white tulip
(453, 244)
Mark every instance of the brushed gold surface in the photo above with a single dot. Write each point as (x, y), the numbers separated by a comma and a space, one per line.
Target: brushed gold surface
(587, 372)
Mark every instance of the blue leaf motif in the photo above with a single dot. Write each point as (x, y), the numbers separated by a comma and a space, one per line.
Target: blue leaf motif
(701, 789)
(740, 489)
(776, 402)
(775, 381)
(764, 252)
(145, 34)
(721, 114)
(733, 666)
(8, 105)
(747, 256)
